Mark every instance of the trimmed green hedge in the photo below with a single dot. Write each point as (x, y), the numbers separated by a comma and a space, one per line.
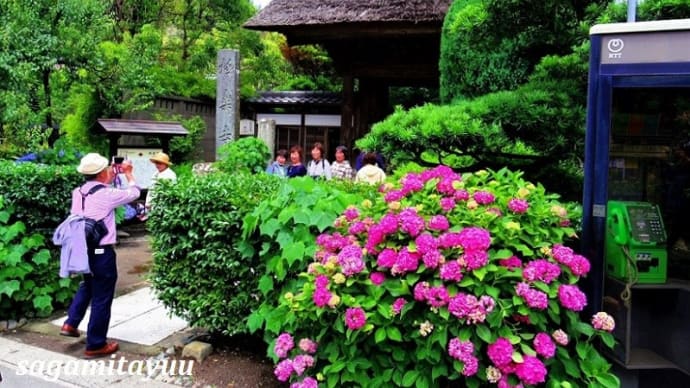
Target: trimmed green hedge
(36, 198)
(198, 271)
(40, 194)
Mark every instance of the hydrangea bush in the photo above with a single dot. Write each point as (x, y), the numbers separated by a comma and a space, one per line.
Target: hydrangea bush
(446, 277)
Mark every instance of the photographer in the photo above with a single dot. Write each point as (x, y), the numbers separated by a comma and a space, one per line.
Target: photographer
(97, 199)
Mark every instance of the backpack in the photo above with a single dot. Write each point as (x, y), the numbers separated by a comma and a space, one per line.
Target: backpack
(94, 230)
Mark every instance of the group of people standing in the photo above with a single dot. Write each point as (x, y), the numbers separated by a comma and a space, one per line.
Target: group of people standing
(369, 165)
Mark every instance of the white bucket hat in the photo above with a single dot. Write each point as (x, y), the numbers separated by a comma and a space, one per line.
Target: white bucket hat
(92, 163)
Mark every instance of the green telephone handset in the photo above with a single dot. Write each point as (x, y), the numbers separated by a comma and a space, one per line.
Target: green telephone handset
(616, 225)
(635, 242)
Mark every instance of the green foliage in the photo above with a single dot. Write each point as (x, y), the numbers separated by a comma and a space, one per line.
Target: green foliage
(494, 45)
(417, 307)
(185, 148)
(39, 194)
(280, 231)
(248, 154)
(29, 285)
(195, 227)
(532, 129)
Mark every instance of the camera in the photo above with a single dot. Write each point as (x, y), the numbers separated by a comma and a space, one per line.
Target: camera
(117, 164)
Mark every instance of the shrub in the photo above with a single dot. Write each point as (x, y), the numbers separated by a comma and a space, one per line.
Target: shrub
(29, 285)
(445, 278)
(248, 154)
(39, 194)
(195, 227)
(281, 232)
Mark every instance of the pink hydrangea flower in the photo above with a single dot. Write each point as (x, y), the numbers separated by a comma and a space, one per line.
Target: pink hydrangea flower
(437, 296)
(461, 195)
(447, 204)
(562, 254)
(475, 239)
(579, 265)
(425, 243)
(284, 343)
(321, 297)
(500, 352)
(308, 382)
(350, 259)
(411, 222)
(420, 291)
(284, 370)
(389, 223)
(541, 270)
(603, 321)
(534, 298)
(357, 228)
(470, 366)
(412, 183)
(475, 259)
(484, 197)
(398, 305)
(460, 349)
(406, 262)
(531, 371)
(451, 270)
(450, 240)
(438, 222)
(432, 258)
(351, 213)
(511, 262)
(393, 195)
(301, 363)
(355, 318)
(518, 206)
(387, 258)
(571, 297)
(308, 346)
(377, 278)
(544, 346)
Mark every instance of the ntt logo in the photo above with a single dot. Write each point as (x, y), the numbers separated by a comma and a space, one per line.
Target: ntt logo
(615, 47)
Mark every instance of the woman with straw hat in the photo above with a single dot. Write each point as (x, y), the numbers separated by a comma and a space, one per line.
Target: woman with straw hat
(162, 162)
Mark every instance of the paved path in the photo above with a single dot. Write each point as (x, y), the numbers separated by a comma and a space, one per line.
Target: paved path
(27, 366)
(137, 317)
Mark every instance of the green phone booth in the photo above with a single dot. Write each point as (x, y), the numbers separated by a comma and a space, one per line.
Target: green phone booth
(635, 242)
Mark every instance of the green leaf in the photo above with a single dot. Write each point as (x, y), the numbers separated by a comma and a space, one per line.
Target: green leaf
(439, 370)
(484, 333)
(582, 349)
(380, 335)
(394, 333)
(571, 367)
(9, 287)
(503, 254)
(293, 252)
(42, 257)
(266, 284)
(480, 273)
(43, 302)
(608, 340)
(608, 380)
(409, 378)
(269, 227)
(255, 321)
(517, 357)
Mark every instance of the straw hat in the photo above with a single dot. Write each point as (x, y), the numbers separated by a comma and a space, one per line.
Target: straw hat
(161, 157)
(92, 163)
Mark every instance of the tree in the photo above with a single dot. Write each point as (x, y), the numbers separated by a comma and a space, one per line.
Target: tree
(41, 38)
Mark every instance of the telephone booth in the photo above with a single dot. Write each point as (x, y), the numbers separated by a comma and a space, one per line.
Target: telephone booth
(636, 201)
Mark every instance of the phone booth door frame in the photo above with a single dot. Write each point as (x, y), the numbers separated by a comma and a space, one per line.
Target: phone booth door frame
(622, 55)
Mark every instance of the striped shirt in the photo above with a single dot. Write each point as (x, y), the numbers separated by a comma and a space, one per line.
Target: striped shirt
(100, 205)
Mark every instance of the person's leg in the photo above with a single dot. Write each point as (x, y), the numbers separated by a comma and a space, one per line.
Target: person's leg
(82, 298)
(104, 270)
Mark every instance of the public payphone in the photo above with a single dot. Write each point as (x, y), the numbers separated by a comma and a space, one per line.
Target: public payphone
(635, 242)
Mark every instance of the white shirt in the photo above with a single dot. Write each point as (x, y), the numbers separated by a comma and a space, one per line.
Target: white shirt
(165, 174)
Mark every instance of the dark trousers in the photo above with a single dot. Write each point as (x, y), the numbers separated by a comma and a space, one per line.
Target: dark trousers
(97, 289)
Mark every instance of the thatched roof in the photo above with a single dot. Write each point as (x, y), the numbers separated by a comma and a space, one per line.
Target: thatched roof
(279, 14)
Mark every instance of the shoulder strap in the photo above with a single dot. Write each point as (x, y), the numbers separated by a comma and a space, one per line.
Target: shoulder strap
(90, 192)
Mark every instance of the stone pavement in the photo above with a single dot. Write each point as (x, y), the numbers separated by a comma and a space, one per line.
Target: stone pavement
(139, 322)
(137, 317)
